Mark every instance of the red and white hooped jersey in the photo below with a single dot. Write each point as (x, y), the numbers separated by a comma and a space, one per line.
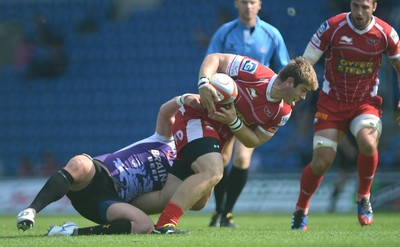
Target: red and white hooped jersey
(353, 57)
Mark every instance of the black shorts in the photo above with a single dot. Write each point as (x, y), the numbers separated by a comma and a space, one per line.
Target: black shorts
(93, 201)
(182, 167)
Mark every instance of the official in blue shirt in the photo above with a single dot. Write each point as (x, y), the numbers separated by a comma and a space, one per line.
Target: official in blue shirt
(250, 36)
(262, 42)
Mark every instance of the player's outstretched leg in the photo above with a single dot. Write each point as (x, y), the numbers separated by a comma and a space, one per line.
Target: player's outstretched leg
(55, 188)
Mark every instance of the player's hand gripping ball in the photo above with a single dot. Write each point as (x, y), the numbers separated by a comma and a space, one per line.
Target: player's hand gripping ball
(225, 86)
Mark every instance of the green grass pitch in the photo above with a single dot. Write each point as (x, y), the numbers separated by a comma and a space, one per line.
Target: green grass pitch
(255, 230)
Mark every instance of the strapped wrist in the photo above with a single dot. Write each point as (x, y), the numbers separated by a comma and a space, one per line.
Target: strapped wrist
(236, 124)
(180, 100)
(203, 81)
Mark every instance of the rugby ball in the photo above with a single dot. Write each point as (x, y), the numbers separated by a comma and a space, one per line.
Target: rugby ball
(225, 86)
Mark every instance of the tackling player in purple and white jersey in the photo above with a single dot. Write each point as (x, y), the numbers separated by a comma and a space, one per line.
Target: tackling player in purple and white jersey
(103, 189)
(140, 167)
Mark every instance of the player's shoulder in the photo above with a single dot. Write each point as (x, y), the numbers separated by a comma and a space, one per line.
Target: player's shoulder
(269, 28)
(330, 25)
(266, 25)
(337, 19)
(383, 24)
(251, 66)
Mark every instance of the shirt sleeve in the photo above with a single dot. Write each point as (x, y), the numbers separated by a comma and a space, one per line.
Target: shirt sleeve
(393, 44)
(320, 39)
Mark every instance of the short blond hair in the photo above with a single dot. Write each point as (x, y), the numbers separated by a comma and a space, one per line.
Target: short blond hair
(302, 72)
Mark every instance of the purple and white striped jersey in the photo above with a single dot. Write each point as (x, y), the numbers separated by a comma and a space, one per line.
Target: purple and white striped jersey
(141, 167)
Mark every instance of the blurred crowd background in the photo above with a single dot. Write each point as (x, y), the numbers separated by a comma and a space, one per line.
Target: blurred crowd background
(88, 76)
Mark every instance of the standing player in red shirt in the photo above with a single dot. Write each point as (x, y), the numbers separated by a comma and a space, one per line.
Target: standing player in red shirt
(264, 103)
(353, 44)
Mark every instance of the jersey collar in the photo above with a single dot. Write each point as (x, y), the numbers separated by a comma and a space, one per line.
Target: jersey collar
(365, 30)
(247, 27)
(269, 88)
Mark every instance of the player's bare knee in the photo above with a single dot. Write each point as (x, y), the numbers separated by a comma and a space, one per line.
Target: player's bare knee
(215, 178)
(213, 173)
(320, 166)
(324, 154)
(77, 162)
(368, 148)
(366, 122)
(79, 166)
(241, 162)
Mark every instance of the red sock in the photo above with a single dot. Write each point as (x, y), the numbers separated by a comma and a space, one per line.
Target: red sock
(308, 185)
(366, 171)
(170, 215)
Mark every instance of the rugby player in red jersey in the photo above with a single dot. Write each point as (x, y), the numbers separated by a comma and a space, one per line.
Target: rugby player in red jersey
(264, 104)
(353, 44)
